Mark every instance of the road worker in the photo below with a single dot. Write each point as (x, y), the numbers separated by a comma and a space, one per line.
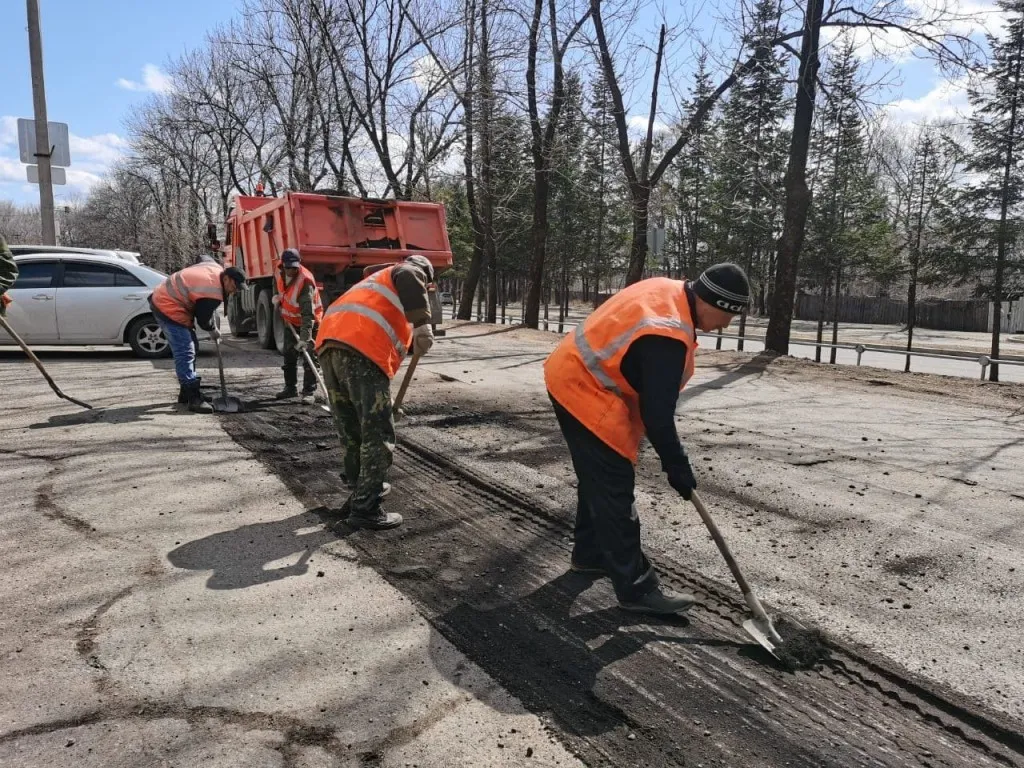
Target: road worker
(8, 274)
(298, 298)
(188, 298)
(615, 379)
(364, 336)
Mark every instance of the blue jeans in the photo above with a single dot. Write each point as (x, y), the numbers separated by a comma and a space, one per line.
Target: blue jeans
(183, 349)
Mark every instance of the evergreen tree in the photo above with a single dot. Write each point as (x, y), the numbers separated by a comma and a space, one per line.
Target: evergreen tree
(993, 205)
(847, 215)
(693, 180)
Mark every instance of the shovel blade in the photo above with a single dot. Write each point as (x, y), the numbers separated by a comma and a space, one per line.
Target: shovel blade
(227, 404)
(763, 632)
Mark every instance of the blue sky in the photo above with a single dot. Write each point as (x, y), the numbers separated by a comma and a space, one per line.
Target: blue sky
(95, 52)
(102, 57)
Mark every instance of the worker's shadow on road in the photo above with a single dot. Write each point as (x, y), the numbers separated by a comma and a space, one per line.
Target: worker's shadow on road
(123, 415)
(550, 657)
(240, 558)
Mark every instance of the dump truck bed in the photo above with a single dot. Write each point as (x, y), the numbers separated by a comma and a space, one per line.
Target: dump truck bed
(334, 234)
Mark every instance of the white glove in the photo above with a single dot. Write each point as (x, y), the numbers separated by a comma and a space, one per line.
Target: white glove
(215, 333)
(276, 300)
(422, 339)
(301, 346)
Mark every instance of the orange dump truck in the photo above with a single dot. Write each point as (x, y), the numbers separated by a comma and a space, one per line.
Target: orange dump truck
(338, 238)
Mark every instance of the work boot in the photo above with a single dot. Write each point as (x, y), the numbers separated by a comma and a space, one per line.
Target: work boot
(290, 379)
(195, 400)
(182, 395)
(199, 386)
(378, 520)
(660, 602)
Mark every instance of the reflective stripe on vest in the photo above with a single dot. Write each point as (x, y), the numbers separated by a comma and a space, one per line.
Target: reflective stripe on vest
(373, 315)
(594, 358)
(370, 318)
(584, 374)
(176, 296)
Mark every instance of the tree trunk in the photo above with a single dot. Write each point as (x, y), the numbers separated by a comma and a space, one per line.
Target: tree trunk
(798, 197)
(825, 290)
(835, 313)
(535, 280)
(997, 287)
(638, 248)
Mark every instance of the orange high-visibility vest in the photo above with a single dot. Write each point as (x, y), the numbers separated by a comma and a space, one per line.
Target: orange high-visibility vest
(289, 303)
(176, 296)
(583, 373)
(370, 318)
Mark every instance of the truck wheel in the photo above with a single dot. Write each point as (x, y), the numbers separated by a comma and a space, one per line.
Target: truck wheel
(236, 317)
(265, 320)
(279, 331)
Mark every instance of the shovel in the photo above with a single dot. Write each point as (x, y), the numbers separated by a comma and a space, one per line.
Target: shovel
(31, 356)
(312, 365)
(225, 403)
(396, 408)
(759, 627)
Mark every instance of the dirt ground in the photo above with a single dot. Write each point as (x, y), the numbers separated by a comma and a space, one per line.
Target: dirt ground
(886, 510)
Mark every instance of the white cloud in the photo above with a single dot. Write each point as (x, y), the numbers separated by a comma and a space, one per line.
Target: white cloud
(426, 72)
(945, 101)
(154, 80)
(8, 130)
(91, 157)
(638, 124)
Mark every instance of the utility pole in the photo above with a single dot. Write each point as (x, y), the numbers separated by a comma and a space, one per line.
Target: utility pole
(43, 150)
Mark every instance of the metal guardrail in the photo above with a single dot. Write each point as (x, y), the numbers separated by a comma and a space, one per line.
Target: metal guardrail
(983, 360)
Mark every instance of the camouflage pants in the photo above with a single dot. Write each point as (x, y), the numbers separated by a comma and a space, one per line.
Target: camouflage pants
(360, 396)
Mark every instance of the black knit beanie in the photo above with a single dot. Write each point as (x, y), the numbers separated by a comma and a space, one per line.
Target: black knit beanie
(724, 286)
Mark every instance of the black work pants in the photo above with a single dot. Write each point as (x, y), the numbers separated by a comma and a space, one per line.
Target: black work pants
(607, 526)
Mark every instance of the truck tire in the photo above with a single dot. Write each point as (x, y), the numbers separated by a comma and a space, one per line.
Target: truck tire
(279, 330)
(265, 320)
(236, 317)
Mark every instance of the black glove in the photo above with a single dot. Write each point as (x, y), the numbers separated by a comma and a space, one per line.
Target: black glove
(680, 477)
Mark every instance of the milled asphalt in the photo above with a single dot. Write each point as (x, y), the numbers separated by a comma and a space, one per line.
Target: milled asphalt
(167, 602)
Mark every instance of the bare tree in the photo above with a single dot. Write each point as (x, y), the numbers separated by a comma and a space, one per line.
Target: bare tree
(543, 140)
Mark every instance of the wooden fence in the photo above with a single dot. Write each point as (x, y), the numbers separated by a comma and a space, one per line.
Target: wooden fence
(937, 315)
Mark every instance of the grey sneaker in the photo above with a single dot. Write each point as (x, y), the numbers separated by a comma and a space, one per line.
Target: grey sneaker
(660, 602)
(382, 521)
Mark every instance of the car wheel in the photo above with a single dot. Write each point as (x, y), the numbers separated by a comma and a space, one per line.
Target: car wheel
(147, 340)
(265, 320)
(236, 316)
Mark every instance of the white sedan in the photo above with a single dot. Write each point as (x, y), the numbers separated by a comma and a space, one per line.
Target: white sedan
(75, 299)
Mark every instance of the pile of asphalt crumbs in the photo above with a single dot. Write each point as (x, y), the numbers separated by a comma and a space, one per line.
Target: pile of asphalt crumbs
(801, 648)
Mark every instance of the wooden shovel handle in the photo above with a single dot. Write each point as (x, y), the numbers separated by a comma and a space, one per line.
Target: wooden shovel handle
(752, 602)
(405, 382)
(39, 365)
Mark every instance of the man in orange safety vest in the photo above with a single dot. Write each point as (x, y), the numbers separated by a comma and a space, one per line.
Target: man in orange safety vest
(298, 299)
(615, 379)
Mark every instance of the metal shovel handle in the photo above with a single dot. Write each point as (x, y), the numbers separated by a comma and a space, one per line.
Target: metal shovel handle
(220, 368)
(748, 594)
(309, 361)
